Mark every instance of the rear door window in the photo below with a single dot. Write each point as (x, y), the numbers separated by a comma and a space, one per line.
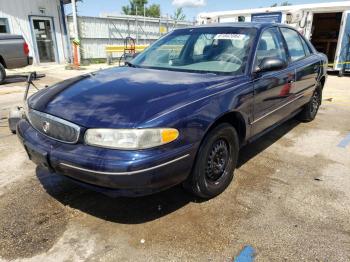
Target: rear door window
(294, 44)
(306, 46)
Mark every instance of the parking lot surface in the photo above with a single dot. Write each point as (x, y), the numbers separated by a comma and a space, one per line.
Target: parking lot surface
(289, 200)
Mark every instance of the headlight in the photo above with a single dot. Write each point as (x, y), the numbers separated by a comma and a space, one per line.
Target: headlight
(130, 139)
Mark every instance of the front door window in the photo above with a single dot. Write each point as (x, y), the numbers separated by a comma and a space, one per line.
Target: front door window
(271, 46)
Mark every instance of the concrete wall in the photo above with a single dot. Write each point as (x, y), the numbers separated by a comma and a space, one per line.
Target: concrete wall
(18, 13)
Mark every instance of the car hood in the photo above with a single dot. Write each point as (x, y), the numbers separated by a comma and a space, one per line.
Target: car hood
(125, 97)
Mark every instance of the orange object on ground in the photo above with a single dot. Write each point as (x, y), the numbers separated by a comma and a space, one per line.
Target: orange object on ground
(75, 55)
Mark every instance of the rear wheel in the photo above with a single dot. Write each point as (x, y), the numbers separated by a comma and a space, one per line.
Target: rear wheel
(215, 162)
(310, 110)
(2, 73)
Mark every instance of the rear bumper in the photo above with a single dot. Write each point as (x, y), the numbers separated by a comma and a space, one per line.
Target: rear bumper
(19, 62)
(128, 173)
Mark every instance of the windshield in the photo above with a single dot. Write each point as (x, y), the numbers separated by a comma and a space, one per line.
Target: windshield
(208, 50)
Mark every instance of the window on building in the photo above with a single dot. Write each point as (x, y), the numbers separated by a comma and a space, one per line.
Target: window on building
(4, 28)
(241, 18)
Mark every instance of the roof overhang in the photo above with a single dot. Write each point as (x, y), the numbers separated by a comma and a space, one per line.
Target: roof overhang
(339, 6)
(65, 2)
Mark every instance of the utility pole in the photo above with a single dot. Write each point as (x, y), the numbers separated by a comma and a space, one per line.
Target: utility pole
(144, 23)
(76, 41)
(137, 28)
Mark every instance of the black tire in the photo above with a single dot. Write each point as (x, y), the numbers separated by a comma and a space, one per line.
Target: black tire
(215, 162)
(2, 74)
(310, 110)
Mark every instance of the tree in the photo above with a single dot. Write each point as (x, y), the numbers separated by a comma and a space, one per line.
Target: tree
(153, 11)
(138, 7)
(134, 6)
(179, 15)
(285, 3)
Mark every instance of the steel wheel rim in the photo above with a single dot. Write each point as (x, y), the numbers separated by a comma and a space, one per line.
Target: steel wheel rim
(217, 161)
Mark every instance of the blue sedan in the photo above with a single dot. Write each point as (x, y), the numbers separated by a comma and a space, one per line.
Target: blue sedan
(177, 113)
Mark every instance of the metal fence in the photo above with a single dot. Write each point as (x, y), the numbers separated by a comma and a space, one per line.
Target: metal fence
(97, 32)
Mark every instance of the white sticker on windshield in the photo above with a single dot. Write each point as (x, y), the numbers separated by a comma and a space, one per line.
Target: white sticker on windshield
(230, 36)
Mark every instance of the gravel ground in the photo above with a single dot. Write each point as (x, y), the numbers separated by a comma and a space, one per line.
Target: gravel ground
(290, 200)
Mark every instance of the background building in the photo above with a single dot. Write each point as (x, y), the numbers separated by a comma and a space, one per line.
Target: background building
(49, 32)
(41, 23)
(326, 25)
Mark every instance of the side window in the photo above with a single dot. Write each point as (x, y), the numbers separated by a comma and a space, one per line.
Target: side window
(4, 28)
(295, 46)
(270, 45)
(306, 46)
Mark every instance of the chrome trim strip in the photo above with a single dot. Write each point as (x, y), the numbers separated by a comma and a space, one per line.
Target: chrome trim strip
(62, 121)
(124, 173)
(276, 109)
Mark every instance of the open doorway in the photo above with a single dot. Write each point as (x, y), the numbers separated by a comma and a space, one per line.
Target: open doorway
(325, 33)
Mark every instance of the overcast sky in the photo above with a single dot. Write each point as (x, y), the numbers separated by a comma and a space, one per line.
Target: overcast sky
(191, 7)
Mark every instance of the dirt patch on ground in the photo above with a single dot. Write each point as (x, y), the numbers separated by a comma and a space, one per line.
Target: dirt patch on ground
(31, 220)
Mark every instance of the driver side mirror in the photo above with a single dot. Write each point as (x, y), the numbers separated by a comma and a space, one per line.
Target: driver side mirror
(270, 64)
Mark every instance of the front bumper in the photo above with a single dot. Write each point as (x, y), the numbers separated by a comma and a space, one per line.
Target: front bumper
(128, 173)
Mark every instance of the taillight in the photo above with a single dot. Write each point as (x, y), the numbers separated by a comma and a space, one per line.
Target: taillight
(26, 48)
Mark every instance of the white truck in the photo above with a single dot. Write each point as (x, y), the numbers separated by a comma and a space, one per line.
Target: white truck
(327, 25)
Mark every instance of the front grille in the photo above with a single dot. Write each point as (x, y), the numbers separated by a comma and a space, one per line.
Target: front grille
(54, 127)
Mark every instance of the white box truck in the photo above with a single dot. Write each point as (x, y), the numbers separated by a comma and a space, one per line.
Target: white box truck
(327, 25)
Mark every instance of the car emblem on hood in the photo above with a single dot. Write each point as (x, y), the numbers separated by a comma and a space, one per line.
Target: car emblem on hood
(46, 126)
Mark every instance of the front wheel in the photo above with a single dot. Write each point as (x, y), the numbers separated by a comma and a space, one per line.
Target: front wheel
(215, 162)
(310, 110)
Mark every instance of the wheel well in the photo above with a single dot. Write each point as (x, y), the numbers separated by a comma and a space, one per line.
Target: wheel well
(236, 120)
(2, 61)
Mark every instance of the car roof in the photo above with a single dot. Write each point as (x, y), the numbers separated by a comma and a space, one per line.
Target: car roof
(239, 24)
